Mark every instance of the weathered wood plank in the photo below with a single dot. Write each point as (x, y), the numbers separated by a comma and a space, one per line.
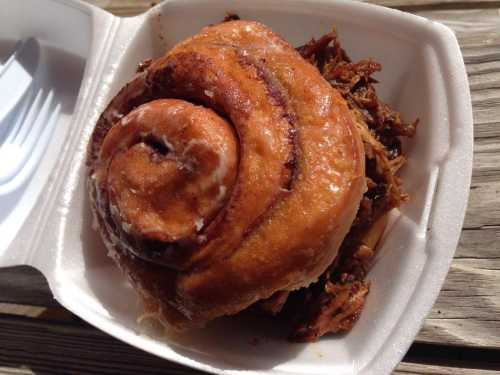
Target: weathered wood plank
(434, 5)
(127, 8)
(467, 310)
(51, 347)
(406, 368)
(482, 243)
(24, 285)
(439, 359)
(466, 313)
(468, 331)
(475, 320)
(34, 346)
(482, 210)
(4, 370)
(23, 310)
(124, 8)
(395, 3)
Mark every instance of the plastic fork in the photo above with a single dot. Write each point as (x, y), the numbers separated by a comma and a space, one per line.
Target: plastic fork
(22, 150)
(16, 77)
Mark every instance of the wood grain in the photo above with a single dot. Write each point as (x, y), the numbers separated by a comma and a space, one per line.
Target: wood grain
(52, 347)
(475, 320)
(25, 285)
(126, 8)
(439, 359)
(35, 347)
(417, 5)
(406, 368)
(467, 312)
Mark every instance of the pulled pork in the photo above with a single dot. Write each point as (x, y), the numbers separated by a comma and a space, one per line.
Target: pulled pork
(334, 303)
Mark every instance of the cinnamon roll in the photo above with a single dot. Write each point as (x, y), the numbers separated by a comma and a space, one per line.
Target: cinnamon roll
(224, 172)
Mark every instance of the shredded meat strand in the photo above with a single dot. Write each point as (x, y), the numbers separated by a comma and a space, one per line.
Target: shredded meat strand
(275, 303)
(334, 310)
(335, 302)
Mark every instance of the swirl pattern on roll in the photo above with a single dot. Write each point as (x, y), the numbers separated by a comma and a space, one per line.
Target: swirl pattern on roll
(225, 171)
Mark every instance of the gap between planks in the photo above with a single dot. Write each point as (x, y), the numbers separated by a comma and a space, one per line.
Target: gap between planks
(34, 346)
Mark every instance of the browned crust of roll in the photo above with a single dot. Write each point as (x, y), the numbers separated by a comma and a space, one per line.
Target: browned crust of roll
(296, 237)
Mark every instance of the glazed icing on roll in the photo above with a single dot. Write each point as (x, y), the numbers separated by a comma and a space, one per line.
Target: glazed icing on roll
(224, 172)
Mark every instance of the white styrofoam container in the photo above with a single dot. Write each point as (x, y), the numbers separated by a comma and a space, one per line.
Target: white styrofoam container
(90, 54)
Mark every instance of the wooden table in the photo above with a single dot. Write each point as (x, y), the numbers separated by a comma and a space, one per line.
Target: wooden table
(461, 334)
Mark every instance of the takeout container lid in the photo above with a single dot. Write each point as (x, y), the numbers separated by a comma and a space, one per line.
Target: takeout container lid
(89, 54)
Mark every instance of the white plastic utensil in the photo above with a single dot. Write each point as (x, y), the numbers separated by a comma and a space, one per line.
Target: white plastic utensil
(26, 141)
(16, 76)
